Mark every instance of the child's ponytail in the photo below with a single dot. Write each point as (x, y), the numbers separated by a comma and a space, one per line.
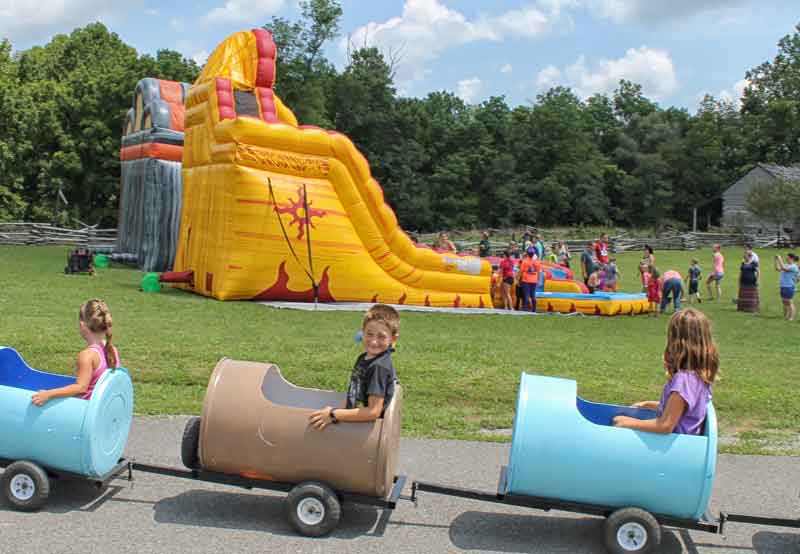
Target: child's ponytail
(97, 317)
(111, 355)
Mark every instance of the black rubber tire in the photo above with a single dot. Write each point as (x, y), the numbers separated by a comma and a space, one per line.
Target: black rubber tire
(190, 443)
(38, 479)
(326, 499)
(642, 518)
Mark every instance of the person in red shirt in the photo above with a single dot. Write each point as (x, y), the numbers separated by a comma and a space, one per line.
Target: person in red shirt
(506, 279)
(601, 249)
(654, 284)
(529, 270)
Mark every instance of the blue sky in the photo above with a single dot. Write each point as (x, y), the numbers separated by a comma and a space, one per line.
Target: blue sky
(677, 49)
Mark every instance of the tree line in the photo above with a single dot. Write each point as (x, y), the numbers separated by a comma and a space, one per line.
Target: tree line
(610, 159)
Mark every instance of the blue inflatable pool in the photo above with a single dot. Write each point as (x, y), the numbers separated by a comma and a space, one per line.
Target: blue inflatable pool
(566, 448)
(84, 437)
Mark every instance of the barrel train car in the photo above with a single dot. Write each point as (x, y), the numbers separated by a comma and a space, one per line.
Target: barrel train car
(67, 438)
(254, 433)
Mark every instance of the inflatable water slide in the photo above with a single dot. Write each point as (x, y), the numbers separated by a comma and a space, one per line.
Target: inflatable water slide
(150, 188)
(274, 210)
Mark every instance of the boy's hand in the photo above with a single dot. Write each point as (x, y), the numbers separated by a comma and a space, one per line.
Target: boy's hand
(40, 398)
(321, 418)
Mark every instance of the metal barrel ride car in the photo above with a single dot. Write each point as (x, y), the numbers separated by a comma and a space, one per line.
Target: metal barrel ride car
(567, 455)
(255, 426)
(68, 436)
(566, 447)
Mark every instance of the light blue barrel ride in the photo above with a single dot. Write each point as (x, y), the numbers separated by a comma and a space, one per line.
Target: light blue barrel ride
(85, 437)
(565, 448)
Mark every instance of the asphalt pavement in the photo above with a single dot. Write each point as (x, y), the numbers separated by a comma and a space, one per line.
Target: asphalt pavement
(156, 514)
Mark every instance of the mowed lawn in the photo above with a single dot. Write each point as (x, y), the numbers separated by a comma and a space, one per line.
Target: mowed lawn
(460, 371)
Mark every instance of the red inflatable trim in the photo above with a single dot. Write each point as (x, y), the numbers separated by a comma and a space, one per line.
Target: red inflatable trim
(158, 150)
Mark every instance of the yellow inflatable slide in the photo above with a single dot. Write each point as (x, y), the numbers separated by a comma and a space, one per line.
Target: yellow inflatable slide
(273, 210)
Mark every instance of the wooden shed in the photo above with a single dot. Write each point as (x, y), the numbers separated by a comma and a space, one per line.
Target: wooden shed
(734, 204)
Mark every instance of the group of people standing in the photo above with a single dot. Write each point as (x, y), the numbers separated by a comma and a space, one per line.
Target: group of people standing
(661, 289)
(600, 273)
(530, 270)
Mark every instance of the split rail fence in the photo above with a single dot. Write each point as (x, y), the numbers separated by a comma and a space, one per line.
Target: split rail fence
(22, 233)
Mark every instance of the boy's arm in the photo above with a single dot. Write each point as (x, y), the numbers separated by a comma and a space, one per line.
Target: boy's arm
(370, 412)
(322, 418)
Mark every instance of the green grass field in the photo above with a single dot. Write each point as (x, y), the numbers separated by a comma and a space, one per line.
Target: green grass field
(460, 371)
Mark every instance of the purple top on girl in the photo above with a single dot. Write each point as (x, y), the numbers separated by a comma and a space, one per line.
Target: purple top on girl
(696, 393)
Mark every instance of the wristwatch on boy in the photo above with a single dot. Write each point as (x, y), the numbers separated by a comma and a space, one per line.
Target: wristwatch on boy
(333, 416)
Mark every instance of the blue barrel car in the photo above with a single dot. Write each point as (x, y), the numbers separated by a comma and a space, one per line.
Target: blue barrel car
(67, 437)
(567, 455)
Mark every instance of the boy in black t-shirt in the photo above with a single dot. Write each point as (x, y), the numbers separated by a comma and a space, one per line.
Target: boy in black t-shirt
(373, 378)
(693, 279)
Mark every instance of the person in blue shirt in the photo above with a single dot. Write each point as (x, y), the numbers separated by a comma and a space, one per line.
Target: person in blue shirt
(789, 275)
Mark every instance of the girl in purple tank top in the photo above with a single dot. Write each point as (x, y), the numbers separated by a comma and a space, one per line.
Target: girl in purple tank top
(94, 325)
(692, 362)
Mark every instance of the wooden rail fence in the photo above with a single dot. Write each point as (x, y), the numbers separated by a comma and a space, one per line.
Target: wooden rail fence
(23, 233)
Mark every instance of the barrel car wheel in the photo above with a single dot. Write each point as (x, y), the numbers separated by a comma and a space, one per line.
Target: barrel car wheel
(190, 442)
(25, 486)
(632, 530)
(314, 510)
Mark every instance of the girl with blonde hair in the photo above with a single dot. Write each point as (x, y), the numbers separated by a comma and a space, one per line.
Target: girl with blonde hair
(691, 361)
(94, 326)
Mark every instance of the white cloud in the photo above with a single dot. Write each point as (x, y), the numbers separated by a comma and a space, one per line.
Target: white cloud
(31, 21)
(735, 93)
(653, 69)
(527, 22)
(176, 23)
(548, 77)
(506, 68)
(151, 11)
(243, 11)
(426, 28)
(469, 89)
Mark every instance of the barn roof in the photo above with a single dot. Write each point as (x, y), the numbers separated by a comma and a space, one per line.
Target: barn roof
(782, 172)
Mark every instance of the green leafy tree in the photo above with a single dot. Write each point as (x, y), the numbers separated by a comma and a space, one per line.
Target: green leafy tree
(13, 137)
(169, 65)
(771, 105)
(304, 76)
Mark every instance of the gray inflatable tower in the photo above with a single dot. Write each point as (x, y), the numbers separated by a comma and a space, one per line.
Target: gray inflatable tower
(150, 191)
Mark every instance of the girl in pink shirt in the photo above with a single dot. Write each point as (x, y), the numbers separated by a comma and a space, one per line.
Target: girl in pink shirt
(718, 273)
(94, 325)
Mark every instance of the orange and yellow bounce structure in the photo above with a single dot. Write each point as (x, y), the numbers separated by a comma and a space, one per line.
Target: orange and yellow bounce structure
(274, 210)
